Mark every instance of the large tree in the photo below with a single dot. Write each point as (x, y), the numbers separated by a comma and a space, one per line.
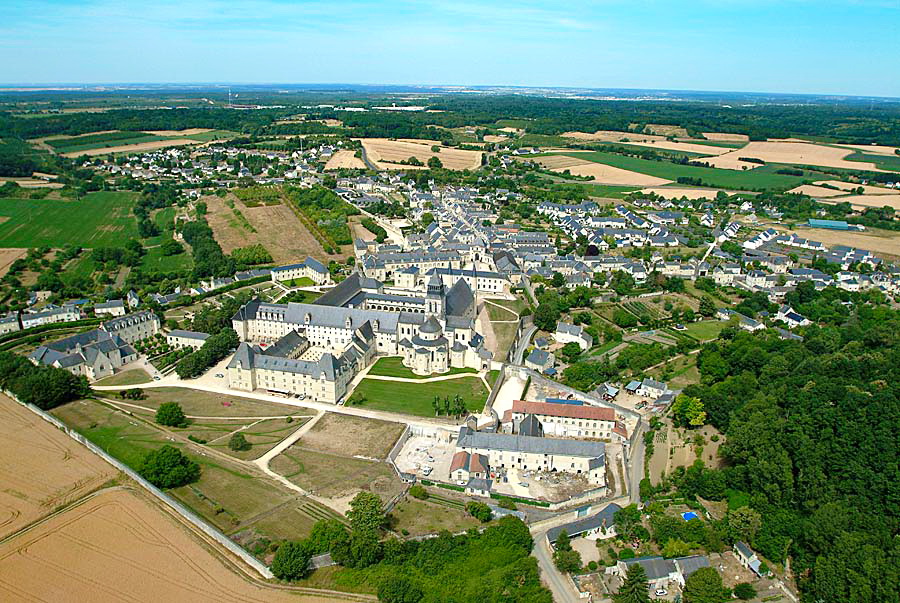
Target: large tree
(291, 561)
(366, 513)
(635, 588)
(170, 414)
(704, 586)
(168, 467)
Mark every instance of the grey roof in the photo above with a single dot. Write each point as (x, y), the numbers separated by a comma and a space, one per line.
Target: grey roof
(519, 443)
(530, 426)
(189, 334)
(655, 567)
(309, 262)
(113, 303)
(285, 346)
(460, 299)
(479, 483)
(689, 565)
(327, 316)
(603, 517)
(743, 549)
(431, 326)
(538, 356)
(129, 319)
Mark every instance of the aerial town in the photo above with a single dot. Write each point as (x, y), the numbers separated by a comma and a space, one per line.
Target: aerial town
(446, 344)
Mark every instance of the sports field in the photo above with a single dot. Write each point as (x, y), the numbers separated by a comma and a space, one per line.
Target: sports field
(97, 220)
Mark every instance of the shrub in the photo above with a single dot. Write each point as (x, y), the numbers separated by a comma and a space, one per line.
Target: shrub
(168, 467)
(744, 591)
(479, 511)
(418, 491)
(239, 443)
(171, 415)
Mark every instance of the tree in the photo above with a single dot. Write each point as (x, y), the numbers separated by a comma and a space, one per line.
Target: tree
(170, 414)
(676, 548)
(546, 316)
(567, 561)
(435, 163)
(628, 522)
(324, 535)
(744, 591)
(291, 561)
(479, 511)
(418, 491)
(558, 280)
(563, 543)
(623, 318)
(707, 306)
(704, 586)
(688, 411)
(635, 588)
(168, 467)
(570, 352)
(744, 524)
(399, 589)
(366, 513)
(239, 443)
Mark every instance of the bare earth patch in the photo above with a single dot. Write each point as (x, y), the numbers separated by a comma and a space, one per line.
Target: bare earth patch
(385, 153)
(603, 174)
(32, 183)
(352, 436)
(861, 201)
(690, 193)
(277, 228)
(613, 136)
(134, 148)
(118, 546)
(55, 471)
(798, 153)
(867, 190)
(8, 256)
(875, 149)
(816, 191)
(186, 132)
(345, 159)
(725, 137)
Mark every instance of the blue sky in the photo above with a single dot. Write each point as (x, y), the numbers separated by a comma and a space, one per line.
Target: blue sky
(805, 46)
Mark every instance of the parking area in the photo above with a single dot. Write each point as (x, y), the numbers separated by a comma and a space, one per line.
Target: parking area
(420, 453)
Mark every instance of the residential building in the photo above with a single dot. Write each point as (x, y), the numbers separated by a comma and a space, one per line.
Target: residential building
(178, 338)
(567, 420)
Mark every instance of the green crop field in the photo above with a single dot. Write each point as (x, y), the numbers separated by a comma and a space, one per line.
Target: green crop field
(415, 398)
(764, 177)
(882, 162)
(101, 219)
(155, 260)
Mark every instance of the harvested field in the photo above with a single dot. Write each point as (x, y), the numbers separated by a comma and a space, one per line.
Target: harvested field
(56, 471)
(134, 148)
(603, 174)
(797, 153)
(277, 229)
(352, 436)
(867, 190)
(386, 153)
(690, 193)
(345, 159)
(725, 137)
(120, 546)
(816, 191)
(495, 138)
(613, 136)
(32, 183)
(186, 132)
(882, 242)
(861, 201)
(8, 256)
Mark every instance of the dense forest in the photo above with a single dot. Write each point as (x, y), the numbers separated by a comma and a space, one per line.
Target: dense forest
(812, 439)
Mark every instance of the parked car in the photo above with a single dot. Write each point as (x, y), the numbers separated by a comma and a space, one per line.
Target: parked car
(219, 375)
(660, 592)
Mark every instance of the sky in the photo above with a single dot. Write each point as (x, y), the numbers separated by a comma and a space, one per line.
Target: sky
(842, 47)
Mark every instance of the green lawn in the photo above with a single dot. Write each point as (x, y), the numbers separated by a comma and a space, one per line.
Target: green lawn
(97, 220)
(155, 260)
(604, 348)
(392, 366)
(415, 398)
(705, 330)
(762, 177)
(129, 377)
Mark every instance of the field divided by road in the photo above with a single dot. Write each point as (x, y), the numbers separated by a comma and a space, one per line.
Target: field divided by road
(97, 220)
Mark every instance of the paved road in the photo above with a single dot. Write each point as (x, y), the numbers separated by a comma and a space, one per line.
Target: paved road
(561, 586)
(523, 344)
(636, 464)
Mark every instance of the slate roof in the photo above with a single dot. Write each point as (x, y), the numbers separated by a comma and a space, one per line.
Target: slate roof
(655, 567)
(519, 443)
(580, 526)
(189, 334)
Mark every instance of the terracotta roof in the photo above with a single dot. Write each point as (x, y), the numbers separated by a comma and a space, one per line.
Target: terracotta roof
(460, 460)
(569, 411)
